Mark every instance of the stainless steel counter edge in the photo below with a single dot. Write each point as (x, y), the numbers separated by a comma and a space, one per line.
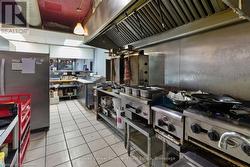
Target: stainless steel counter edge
(84, 81)
(106, 92)
(169, 112)
(138, 99)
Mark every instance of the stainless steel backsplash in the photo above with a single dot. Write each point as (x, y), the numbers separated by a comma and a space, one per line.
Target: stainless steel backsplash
(217, 61)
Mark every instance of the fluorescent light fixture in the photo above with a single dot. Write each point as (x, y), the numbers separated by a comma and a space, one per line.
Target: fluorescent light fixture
(73, 42)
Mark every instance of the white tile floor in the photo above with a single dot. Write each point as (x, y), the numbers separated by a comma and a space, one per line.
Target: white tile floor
(76, 139)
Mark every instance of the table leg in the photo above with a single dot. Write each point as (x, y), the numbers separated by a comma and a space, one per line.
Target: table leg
(164, 154)
(128, 139)
(149, 158)
(125, 136)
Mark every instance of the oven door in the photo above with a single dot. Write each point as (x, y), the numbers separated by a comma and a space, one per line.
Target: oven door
(191, 159)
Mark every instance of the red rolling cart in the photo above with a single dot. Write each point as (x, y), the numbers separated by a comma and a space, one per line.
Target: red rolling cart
(23, 102)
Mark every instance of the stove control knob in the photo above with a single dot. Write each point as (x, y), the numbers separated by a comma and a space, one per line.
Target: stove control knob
(196, 128)
(213, 135)
(245, 148)
(161, 122)
(171, 128)
(138, 111)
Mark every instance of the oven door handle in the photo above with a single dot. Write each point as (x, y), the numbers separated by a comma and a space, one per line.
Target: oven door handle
(136, 110)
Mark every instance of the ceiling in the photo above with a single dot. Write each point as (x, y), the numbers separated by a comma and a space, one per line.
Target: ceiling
(62, 15)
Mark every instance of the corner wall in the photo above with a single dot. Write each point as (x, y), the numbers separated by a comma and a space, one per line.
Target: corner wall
(100, 61)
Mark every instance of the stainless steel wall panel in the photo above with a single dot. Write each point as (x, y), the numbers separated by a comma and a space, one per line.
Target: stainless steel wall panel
(218, 67)
(216, 61)
(171, 62)
(156, 61)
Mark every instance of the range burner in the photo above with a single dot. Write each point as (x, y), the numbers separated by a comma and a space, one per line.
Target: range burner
(238, 115)
(210, 128)
(166, 102)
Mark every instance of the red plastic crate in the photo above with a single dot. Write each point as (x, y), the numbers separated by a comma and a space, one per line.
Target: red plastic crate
(23, 102)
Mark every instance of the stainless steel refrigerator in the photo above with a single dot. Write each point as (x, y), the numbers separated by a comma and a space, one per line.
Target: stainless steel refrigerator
(27, 73)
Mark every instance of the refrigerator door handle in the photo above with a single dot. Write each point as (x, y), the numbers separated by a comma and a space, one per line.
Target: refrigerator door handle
(2, 86)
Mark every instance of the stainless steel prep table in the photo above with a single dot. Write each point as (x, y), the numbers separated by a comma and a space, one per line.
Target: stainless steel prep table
(142, 139)
(97, 95)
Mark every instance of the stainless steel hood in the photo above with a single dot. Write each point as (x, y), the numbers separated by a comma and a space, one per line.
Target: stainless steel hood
(241, 7)
(157, 16)
(103, 15)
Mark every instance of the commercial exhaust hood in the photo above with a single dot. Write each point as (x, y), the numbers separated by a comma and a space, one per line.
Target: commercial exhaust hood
(241, 7)
(155, 17)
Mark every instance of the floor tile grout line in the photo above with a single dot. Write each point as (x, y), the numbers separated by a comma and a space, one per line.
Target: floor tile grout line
(34, 160)
(79, 129)
(46, 137)
(85, 142)
(110, 148)
(117, 156)
(97, 139)
(65, 139)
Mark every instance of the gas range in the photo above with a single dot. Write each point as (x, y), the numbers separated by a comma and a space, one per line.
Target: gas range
(225, 133)
(169, 119)
(137, 108)
(238, 115)
(169, 122)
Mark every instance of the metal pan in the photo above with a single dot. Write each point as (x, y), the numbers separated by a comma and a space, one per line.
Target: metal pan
(225, 99)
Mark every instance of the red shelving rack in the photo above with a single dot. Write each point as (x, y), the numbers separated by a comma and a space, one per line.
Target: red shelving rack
(23, 102)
